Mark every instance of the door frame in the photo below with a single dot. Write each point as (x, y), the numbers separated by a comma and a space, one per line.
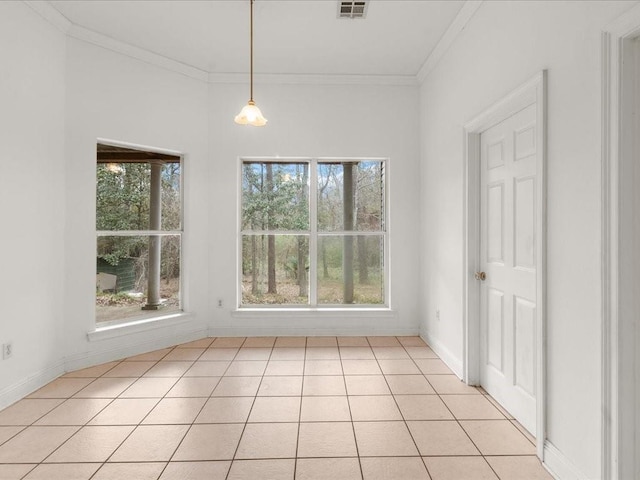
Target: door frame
(618, 150)
(531, 92)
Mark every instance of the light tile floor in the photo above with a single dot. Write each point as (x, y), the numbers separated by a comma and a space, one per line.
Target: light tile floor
(266, 408)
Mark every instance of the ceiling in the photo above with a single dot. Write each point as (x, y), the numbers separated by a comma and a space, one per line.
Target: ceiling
(291, 36)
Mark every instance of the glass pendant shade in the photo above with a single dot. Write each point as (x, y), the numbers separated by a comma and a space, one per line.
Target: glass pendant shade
(251, 115)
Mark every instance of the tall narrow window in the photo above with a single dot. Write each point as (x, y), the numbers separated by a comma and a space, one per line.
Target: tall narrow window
(313, 233)
(139, 233)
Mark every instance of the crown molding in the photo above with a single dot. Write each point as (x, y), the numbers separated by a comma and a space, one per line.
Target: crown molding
(51, 15)
(465, 14)
(100, 40)
(314, 79)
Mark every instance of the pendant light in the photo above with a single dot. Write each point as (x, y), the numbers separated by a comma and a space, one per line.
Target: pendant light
(250, 113)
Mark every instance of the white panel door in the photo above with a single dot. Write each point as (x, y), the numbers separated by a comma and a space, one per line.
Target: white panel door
(508, 218)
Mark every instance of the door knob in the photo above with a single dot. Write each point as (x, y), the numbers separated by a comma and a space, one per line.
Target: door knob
(481, 276)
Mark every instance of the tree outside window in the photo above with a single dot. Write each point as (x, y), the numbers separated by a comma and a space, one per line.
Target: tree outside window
(313, 232)
(139, 232)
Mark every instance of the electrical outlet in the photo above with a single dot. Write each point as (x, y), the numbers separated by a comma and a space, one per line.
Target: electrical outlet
(7, 350)
(219, 303)
(438, 314)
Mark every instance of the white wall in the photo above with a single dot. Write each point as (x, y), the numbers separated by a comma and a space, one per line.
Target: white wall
(60, 95)
(504, 45)
(112, 96)
(118, 98)
(635, 318)
(32, 89)
(318, 121)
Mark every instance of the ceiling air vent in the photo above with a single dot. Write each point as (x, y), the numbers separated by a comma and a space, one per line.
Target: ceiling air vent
(356, 9)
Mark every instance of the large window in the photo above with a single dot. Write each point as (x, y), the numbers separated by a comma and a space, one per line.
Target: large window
(313, 233)
(139, 233)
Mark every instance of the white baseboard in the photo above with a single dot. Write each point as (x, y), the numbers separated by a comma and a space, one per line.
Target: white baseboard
(21, 389)
(253, 331)
(559, 465)
(89, 359)
(13, 393)
(453, 362)
(17, 391)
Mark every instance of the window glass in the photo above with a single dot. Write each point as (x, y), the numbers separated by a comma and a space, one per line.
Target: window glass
(122, 281)
(325, 249)
(289, 284)
(275, 196)
(350, 196)
(359, 278)
(138, 222)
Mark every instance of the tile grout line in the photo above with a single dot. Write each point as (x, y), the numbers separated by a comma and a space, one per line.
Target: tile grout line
(171, 350)
(140, 422)
(452, 414)
(165, 396)
(458, 422)
(113, 399)
(353, 426)
(304, 368)
(94, 379)
(404, 420)
(255, 396)
(508, 415)
(22, 428)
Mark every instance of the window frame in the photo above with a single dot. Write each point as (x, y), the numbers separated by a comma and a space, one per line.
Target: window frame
(159, 314)
(314, 235)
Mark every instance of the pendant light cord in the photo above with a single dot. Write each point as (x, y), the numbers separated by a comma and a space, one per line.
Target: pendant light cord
(251, 49)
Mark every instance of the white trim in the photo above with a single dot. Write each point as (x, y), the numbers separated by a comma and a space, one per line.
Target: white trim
(609, 262)
(314, 313)
(531, 92)
(313, 79)
(258, 329)
(112, 329)
(613, 36)
(452, 361)
(471, 258)
(523, 96)
(100, 40)
(138, 146)
(461, 20)
(559, 465)
(135, 345)
(26, 386)
(333, 233)
(138, 326)
(58, 20)
(138, 233)
(238, 232)
(313, 234)
(51, 15)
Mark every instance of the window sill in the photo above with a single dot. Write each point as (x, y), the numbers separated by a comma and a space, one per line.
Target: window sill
(364, 312)
(138, 326)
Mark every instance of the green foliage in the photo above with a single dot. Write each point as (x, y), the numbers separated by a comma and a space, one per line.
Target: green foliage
(122, 198)
(123, 203)
(368, 191)
(114, 249)
(275, 197)
(276, 200)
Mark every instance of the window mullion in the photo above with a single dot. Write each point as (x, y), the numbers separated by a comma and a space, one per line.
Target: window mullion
(313, 237)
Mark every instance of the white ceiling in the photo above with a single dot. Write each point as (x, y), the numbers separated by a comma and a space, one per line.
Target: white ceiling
(291, 36)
